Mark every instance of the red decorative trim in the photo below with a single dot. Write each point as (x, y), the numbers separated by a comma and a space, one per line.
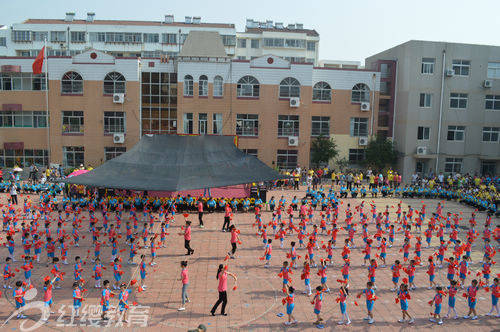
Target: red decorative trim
(72, 94)
(12, 107)
(13, 145)
(321, 102)
(348, 69)
(218, 97)
(251, 137)
(259, 67)
(93, 63)
(72, 134)
(203, 97)
(248, 98)
(11, 69)
(236, 60)
(188, 96)
(285, 98)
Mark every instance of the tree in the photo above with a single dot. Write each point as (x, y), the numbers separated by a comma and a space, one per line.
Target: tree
(342, 163)
(380, 153)
(322, 150)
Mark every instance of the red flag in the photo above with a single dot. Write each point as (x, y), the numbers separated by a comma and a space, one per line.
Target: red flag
(38, 63)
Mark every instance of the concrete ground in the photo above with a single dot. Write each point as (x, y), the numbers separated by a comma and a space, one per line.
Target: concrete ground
(256, 304)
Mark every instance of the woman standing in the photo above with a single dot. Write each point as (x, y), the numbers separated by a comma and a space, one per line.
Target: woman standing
(222, 274)
(185, 284)
(13, 193)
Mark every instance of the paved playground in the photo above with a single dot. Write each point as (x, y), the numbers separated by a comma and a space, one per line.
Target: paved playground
(256, 304)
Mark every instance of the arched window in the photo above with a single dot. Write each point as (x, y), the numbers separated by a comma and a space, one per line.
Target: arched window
(72, 83)
(218, 86)
(188, 85)
(289, 87)
(114, 82)
(203, 86)
(322, 91)
(248, 86)
(360, 93)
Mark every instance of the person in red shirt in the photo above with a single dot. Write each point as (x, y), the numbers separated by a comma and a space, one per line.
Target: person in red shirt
(222, 274)
(227, 218)
(185, 284)
(200, 213)
(187, 238)
(234, 240)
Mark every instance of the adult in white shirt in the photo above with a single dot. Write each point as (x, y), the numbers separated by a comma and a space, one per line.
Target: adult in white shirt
(13, 193)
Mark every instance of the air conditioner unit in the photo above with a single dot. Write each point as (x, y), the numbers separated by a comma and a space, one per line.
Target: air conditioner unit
(487, 84)
(293, 141)
(365, 107)
(118, 98)
(421, 150)
(363, 141)
(450, 73)
(294, 102)
(118, 138)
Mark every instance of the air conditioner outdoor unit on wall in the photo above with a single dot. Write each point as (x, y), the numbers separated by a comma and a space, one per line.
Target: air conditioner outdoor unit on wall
(365, 107)
(488, 84)
(118, 138)
(118, 98)
(421, 150)
(450, 73)
(293, 141)
(294, 102)
(363, 141)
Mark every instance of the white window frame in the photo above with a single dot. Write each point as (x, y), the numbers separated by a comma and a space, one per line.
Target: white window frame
(494, 101)
(356, 125)
(242, 43)
(461, 67)
(202, 123)
(151, 38)
(247, 125)
(288, 125)
(458, 133)
(458, 98)
(73, 122)
(58, 36)
(324, 126)
(360, 93)
(203, 86)
(453, 165)
(188, 123)
(493, 70)
(248, 86)
(428, 66)
(425, 135)
(313, 47)
(289, 88)
(255, 43)
(322, 91)
(78, 36)
(289, 156)
(114, 122)
(356, 156)
(73, 151)
(218, 86)
(111, 152)
(114, 82)
(425, 100)
(217, 123)
(188, 86)
(72, 83)
(492, 134)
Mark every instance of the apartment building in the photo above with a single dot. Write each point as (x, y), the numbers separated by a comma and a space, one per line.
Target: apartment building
(292, 42)
(447, 106)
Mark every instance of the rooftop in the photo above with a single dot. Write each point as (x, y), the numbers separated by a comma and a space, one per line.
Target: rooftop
(309, 32)
(203, 44)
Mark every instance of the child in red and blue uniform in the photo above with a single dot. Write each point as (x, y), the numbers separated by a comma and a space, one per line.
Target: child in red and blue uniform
(437, 300)
(495, 294)
(370, 299)
(472, 300)
(342, 300)
(403, 297)
(289, 300)
(452, 292)
(318, 301)
(97, 273)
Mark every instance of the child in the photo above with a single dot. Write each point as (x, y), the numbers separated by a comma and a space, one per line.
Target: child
(306, 277)
(317, 301)
(268, 252)
(47, 299)
(403, 297)
(105, 295)
(97, 273)
(310, 252)
(234, 240)
(463, 269)
(18, 294)
(370, 299)
(117, 273)
(472, 300)
(395, 268)
(344, 292)
(432, 273)
(185, 284)
(411, 274)
(383, 251)
(495, 294)
(78, 269)
(323, 275)
(123, 302)
(371, 272)
(345, 272)
(77, 299)
(7, 273)
(293, 255)
(452, 292)
(437, 300)
(142, 270)
(152, 247)
(289, 306)
(367, 251)
(284, 271)
(27, 267)
(451, 269)
(97, 249)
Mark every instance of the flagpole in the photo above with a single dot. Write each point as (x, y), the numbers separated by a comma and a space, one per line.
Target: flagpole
(47, 98)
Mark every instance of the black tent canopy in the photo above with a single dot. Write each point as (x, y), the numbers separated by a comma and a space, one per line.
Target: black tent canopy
(176, 163)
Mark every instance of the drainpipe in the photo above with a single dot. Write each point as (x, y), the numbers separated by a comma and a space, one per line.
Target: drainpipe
(438, 148)
(373, 104)
(394, 102)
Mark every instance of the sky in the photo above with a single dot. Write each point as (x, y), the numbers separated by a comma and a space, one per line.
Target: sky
(349, 30)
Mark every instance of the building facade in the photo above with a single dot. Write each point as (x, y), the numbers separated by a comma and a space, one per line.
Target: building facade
(447, 106)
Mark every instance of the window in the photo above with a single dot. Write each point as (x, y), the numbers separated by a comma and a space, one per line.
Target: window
(461, 67)
(58, 36)
(3, 41)
(311, 46)
(423, 133)
(73, 156)
(151, 37)
(420, 167)
(188, 85)
(248, 86)
(428, 66)
(242, 43)
(458, 100)
(295, 59)
(322, 91)
(251, 152)
(456, 133)
(21, 36)
(247, 124)
(287, 159)
(114, 122)
(320, 126)
(228, 40)
(289, 87)
(23, 158)
(40, 35)
(254, 43)
(113, 152)
(274, 42)
(217, 124)
(72, 122)
(202, 123)
(491, 134)
(97, 36)
(356, 156)
(288, 125)
(72, 83)
(123, 37)
(78, 36)
(169, 38)
(492, 102)
(23, 119)
(359, 127)
(22, 81)
(494, 70)
(218, 86)
(183, 37)
(453, 165)
(203, 86)
(114, 82)
(360, 93)
(425, 100)
(488, 168)
(295, 43)
(188, 123)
